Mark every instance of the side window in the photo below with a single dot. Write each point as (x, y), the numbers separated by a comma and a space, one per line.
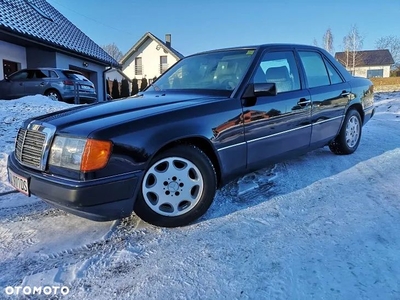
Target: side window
(31, 74)
(53, 74)
(315, 69)
(279, 68)
(41, 74)
(333, 74)
(19, 76)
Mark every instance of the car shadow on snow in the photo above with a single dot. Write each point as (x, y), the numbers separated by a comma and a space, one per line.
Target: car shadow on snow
(263, 185)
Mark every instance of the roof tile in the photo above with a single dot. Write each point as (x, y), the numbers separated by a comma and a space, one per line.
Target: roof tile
(48, 25)
(369, 57)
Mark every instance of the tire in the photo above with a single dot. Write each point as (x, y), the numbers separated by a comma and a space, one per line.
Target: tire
(349, 136)
(177, 188)
(54, 95)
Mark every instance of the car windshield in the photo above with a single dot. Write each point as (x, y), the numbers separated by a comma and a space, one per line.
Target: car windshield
(222, 70)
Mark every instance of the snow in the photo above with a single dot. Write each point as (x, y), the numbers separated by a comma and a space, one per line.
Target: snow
(319, 226)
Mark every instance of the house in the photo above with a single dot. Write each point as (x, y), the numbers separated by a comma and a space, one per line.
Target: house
(34, 34)
(369, 63)
(149, 57)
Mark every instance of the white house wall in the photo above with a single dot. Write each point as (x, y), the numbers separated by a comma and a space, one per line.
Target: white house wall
(362, 71)
(96, 76)
(13, 53)
(150, 60)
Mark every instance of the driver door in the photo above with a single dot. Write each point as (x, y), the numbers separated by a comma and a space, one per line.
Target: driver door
(14, 86)
(278, 124)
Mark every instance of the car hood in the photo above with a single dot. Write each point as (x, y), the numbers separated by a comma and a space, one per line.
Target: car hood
(83, 120)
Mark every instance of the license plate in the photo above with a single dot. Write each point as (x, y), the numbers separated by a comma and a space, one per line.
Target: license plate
(85, 87)
(19, 182)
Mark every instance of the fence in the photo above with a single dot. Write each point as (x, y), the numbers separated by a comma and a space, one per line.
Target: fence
(387, 84)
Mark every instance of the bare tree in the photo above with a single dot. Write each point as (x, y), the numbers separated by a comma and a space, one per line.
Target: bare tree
(392, 43)
(328, 41)
(113, 51)
(346, 49)
(315, 42)
(354, 41)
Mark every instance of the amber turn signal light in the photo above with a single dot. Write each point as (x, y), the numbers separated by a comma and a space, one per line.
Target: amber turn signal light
(96, 155)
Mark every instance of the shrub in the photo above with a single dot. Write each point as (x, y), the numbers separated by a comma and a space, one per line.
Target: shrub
(115, 89)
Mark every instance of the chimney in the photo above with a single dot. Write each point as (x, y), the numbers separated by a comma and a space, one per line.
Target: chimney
(168, 40)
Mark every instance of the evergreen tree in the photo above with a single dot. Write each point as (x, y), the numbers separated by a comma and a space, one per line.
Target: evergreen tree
(115, 89)
(124, 88)
(135, 87)
(143, 84)
(108, 87)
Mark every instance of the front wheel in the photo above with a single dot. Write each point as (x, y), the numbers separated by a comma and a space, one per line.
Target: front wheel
(349, 136)
(177, 188)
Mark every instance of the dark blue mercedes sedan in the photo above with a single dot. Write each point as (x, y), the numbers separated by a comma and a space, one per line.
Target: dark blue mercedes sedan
(211, 117)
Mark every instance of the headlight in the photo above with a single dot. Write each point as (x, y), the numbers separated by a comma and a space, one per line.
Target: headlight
(79, 154)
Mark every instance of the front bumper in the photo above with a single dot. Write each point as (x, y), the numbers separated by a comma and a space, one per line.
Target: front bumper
(99, 200)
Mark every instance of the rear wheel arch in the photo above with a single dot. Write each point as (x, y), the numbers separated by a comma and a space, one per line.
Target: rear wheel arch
(359, 109)
(348, 139)
(49, 91)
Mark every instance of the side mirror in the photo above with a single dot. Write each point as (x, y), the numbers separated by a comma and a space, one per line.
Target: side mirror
(255, 90)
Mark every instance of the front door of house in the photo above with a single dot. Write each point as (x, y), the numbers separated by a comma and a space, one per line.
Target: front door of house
(9, 67)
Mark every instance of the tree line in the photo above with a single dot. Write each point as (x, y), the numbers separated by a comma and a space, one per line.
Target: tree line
(352, 44)
(121, 90)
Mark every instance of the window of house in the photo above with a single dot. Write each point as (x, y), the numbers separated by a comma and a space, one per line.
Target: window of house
(375, 73)
(138, 66)
(315, 69)
(163, 64)
(279, 68)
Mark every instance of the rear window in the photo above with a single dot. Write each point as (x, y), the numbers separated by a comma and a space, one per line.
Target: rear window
(75, 76)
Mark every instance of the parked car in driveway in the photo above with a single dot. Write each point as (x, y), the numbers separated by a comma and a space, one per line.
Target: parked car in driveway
(211, 117)
(58, 84)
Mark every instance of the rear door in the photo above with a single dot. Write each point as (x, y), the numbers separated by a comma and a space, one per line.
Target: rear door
(277, 125)
(37, 82)
(329, 94)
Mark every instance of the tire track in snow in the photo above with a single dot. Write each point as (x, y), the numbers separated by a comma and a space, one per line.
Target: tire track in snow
(28, 212)
(124, 235)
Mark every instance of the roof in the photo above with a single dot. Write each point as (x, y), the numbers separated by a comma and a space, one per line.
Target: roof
(38, 21)
(149, 35)
(369, 58)
(262, 46)
(120, 72)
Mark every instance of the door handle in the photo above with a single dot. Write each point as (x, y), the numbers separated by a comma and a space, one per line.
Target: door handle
(303, 101)
(42, 83)
(344, 94)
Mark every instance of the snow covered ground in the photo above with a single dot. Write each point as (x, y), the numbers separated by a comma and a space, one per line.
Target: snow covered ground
(317, 227)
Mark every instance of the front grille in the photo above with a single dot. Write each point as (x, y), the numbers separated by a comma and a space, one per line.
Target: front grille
(29, 147)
